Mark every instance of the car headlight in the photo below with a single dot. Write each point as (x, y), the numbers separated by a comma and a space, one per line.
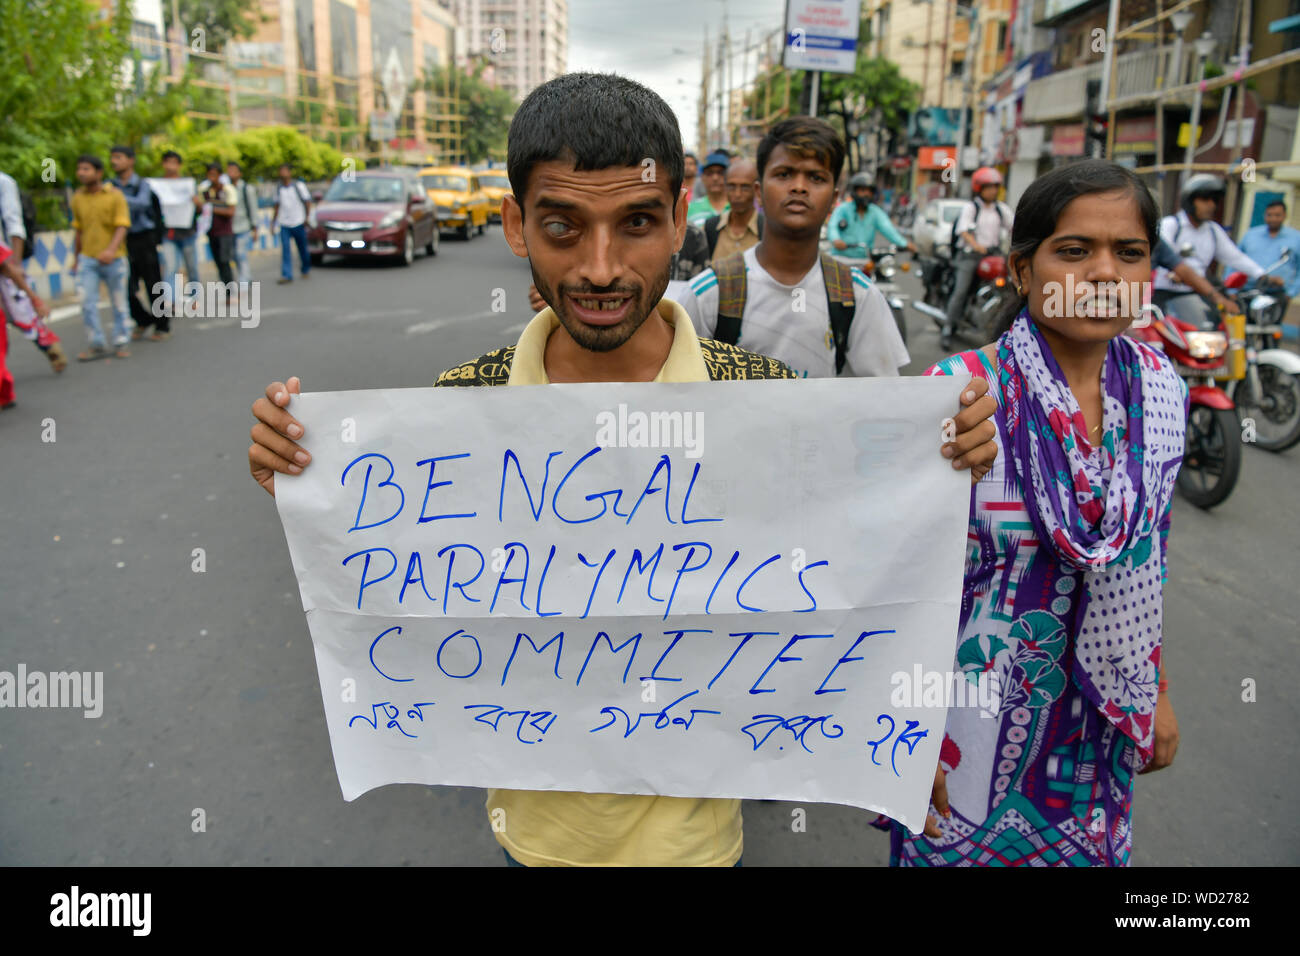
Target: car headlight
(1206, 345)
(392, 219)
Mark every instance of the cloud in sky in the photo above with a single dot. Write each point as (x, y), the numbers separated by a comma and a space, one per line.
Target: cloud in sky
(660, 43)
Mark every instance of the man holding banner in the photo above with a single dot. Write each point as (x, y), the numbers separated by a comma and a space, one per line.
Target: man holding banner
(599, 232)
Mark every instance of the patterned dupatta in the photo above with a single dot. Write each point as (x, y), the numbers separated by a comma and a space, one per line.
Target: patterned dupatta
(1099, 509)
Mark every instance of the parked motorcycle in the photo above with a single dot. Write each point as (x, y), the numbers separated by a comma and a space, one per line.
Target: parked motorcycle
(1268, 396)
(1212, 455)
(882, 266)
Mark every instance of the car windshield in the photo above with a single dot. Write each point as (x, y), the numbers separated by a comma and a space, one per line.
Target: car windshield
(443, 181)
(499, 182)
(950, 213)
(366, 189)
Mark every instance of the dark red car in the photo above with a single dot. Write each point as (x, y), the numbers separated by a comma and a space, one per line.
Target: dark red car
(374, 212)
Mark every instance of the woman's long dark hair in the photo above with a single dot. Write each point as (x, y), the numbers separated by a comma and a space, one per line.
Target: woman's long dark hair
(1042, 203)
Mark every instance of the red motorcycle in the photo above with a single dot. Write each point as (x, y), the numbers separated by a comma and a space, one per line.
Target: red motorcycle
(984, 305)
(1212, 457)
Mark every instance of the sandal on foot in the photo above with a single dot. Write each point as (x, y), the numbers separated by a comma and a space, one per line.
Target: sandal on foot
(137, 333)
(121, 351)
(93, 353)
(160, 337)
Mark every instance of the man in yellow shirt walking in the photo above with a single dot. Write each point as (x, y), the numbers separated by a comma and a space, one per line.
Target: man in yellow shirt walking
(101, 219)
(599, 237)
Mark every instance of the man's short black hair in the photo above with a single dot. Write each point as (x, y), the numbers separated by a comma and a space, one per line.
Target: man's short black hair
(171, 153)
(91, 160)
(288, 166)
(1276, 202)
(126, 151)
(806, 136)
(594, 120)
(212, 166)
(235, 163)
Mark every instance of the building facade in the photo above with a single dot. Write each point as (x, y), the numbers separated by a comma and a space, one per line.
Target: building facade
(523, 43)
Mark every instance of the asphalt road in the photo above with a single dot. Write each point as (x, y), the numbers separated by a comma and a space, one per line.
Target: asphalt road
(212, 700)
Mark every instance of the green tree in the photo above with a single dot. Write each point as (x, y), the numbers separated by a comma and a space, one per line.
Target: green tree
(486, 111)
(211, 24)
(72, 85)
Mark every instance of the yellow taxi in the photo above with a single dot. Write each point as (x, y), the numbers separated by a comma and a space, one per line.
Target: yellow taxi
(496, 184)
(462, 203)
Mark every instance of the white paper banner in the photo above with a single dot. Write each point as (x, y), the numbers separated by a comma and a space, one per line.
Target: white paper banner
(699, 590)
(176, 197)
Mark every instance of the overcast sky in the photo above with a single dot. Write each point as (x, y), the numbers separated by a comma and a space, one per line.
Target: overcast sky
(660, 43)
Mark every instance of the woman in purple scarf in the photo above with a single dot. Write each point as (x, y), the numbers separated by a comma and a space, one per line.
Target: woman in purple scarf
(1061, 610)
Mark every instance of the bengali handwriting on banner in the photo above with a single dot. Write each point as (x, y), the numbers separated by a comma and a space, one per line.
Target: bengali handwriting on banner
(692, 590)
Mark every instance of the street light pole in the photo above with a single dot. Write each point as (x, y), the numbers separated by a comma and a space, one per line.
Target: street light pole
(1204, 45)
(968, 82)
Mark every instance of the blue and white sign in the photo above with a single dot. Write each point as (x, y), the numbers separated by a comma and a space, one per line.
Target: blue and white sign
(821, 35)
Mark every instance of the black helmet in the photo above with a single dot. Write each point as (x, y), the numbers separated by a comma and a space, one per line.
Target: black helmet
(1200, 186)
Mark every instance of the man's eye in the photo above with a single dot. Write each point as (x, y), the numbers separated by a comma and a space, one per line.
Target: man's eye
(639, 221)
(555, 228)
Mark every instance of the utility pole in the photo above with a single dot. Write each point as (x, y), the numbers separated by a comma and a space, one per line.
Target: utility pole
(702, 132)
(1107, 78)
(968, 83)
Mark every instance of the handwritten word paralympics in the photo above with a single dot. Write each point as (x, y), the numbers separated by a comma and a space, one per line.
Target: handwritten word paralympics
(457, 574)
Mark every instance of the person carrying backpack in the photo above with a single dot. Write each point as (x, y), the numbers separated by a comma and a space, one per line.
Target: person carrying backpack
(292, 207)
(17, 228)
(141, 246)
(782, 297)
(245, 219)
(977, 231)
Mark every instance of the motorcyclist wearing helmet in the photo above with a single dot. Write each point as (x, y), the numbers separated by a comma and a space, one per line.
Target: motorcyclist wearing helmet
(855, 222)
(1194, 226)
(979, 230)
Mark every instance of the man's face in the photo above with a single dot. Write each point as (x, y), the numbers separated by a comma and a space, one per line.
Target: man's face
(284, 173)
(1274, 216)
(171, 166)
(120, 162)
(797, 193)
(692, 167)
(87, 174)
(233, 172)
(599, 243)
(741, 179)
(863, 194)
(214, 176)
(1204, 206)
(989, 193)
(715, 180)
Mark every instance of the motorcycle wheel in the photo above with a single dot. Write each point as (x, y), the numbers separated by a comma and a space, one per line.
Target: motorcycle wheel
(1276, 412)
(1211, 457)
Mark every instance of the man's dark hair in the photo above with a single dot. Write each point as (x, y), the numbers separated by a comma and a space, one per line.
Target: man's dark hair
(235, 164)
(690, 155)
(212, 166)
(91, 160)
(171, 153)
(595, 121)
(806, 136)
(288, 166)
(126, 151)
(1276, 202)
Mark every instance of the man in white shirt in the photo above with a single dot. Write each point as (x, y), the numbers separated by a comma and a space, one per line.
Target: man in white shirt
(1194, 226)
(785, 312)
(292, 205)
(979, 229)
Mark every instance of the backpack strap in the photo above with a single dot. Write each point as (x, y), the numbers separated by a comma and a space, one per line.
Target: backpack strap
(731, 297)
(841, 304)
(712, 226)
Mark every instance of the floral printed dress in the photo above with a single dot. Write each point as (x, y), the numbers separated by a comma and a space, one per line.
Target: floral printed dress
(1045, 779)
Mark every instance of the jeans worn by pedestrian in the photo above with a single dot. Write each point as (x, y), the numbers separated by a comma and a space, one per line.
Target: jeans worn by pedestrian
(299, 236)
(176, 250)
(142, 255)
(90, 272)
(243, 247)
(963, 276)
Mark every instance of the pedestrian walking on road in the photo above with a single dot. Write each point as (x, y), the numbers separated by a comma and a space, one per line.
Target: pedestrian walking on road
(141, 249)
(1062, 603)
(564, 169)
(244, 222)
(16, 304)
(180, 242)
(12, 272)
(221, 235)
(292, 206)
(100, 219)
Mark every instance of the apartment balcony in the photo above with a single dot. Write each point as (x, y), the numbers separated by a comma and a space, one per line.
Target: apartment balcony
(1063, 95)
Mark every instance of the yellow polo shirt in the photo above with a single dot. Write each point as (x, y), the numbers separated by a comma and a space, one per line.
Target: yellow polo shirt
(559, 828)
(97, 215)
